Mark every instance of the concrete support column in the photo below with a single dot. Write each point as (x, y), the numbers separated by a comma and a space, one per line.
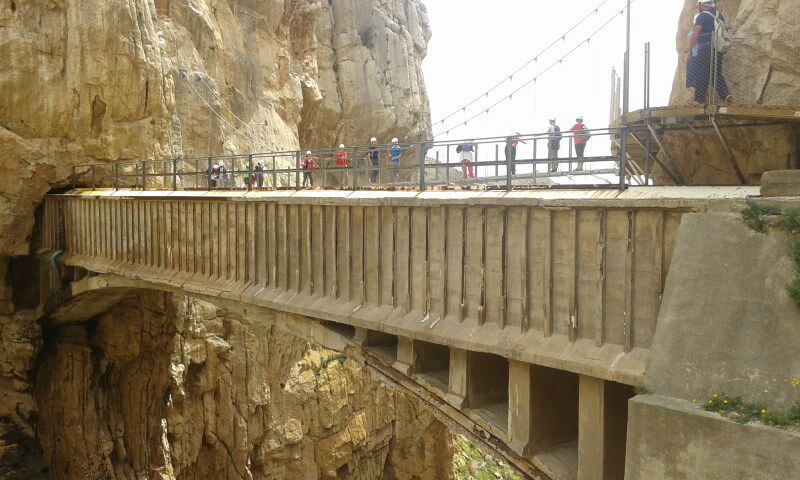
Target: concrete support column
(406, 356)
(458, 378)
(591, 428)
(602, 434)
(520, 406)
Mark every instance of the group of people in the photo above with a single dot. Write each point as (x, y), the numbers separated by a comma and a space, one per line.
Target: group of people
(372, 157)
(580, 137)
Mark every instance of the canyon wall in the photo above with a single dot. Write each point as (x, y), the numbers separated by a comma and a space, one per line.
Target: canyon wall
(118, 81)
(129, 80)
(165, 387)
(761, 68)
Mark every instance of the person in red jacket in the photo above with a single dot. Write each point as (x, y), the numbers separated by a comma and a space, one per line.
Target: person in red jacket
(580, 136)
(343, 162)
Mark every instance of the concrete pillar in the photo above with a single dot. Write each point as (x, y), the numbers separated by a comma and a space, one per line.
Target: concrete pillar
(591, 433)
(520, 406)
(603, 420)
(457, 385)
(406, 356)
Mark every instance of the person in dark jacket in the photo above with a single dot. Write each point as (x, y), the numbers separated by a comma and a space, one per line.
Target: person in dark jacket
(701, 54)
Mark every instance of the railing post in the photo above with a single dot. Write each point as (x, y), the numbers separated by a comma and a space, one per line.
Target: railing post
(74, 178)
(93, 176)
(250, 172)
(297, 170)
(421, 168)
(496, 160)
(508, 174)
(144, 176)
(116, 177)
(208, 173)
(356, 167)
(447, 170)
(623, 157)
(174, 174)
(274, 175)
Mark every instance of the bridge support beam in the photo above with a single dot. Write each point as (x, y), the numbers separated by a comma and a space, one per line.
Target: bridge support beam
(542, 408)
(406, 356)
(602, 434)
(520, 406)
(459, 376)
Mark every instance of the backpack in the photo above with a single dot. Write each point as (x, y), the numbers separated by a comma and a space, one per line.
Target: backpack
(721, 37)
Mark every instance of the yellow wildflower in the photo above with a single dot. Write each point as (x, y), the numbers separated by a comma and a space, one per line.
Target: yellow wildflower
(763, 411)
(715, 395)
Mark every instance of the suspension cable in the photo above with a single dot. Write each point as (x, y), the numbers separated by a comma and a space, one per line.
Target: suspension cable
(218, 115)
(510, 77)
(535, 78)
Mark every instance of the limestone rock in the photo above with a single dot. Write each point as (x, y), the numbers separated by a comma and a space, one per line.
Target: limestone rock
(127, 395)
(762, 68)
(132, 80)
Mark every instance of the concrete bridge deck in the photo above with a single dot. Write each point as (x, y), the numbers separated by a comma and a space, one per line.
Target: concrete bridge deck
(532, 311)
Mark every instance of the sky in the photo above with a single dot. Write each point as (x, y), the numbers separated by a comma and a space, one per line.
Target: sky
(476, 44)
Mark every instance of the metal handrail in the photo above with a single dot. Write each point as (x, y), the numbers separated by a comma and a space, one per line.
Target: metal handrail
(414, 166)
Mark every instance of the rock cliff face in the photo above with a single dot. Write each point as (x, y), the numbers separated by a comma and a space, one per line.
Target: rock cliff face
(174, 388)
(125, 80)
(762, 68)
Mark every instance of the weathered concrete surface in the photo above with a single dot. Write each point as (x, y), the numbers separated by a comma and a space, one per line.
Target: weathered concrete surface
(727, 323)
(570, 283)
(781, 183)
(672, 439)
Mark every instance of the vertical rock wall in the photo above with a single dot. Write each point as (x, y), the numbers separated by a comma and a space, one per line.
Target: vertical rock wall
(92, 81)
(165, 388)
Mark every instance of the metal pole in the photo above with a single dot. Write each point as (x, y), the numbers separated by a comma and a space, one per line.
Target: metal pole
(250, 173)
(496, 160)
(623, 156)
(421, 168)
(93, 176)
(208, 173)
(144, 176)
(647, 75)
(74, 178)
(447, 170)
(297, 170)
(116, 176)
(174, 174)
(627, 75)
(508, 173)
(354, 168)
(274, 175)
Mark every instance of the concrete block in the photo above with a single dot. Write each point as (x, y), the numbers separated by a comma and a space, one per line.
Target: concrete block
(671, 439)
(780, 183)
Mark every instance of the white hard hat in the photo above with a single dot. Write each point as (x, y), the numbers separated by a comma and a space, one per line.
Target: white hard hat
(394, 140)
(221, 163)
(341, 146)
(707, 2)
(373, 139)
(308, 152)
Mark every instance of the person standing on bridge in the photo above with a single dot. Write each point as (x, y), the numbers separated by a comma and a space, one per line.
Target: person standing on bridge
(511, 151)
(707, 42)
(259, 169)
(396, 153)
(467, 152)
(553, 145)
(307, 164)
(580, 136)
(343, 163)
(374, 157)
